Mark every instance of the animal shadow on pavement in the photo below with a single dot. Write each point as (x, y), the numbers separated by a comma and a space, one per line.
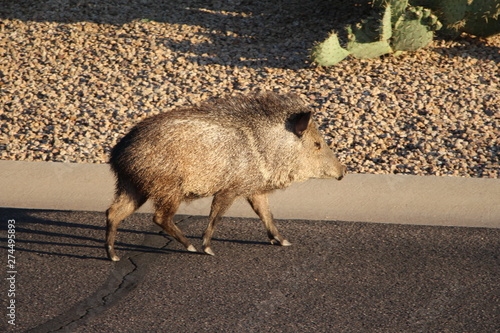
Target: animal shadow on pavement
(78, 235)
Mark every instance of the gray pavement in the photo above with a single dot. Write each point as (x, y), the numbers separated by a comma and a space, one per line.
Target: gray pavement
(431, 264)
(336, 277)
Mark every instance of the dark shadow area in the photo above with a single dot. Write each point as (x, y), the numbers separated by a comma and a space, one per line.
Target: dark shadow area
(269, 32)
(47, 242)
(213, 14)
(56, 237)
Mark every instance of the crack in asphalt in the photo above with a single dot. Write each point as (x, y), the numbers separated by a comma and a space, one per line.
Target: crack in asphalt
(125, 277)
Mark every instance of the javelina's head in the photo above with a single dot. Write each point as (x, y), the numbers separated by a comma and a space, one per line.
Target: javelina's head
(316, 159)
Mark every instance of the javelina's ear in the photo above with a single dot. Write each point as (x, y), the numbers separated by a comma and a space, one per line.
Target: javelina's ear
(301, 123)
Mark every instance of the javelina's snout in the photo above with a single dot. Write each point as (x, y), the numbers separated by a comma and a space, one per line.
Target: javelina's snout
(343, 171)
(339, 170)
(330, 166)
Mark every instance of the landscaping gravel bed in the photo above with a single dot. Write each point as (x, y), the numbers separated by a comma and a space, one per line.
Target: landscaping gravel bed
(76, 75)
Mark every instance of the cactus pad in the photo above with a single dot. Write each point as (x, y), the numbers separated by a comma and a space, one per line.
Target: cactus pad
(398, 7)
(329, 52)
(414, 30)
(370, 39)
(477, 17)
(483, 18)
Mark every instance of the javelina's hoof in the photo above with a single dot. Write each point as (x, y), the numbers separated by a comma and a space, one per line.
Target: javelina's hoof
(191, 248)
(111, 254)
(284, 242)
(209, 251)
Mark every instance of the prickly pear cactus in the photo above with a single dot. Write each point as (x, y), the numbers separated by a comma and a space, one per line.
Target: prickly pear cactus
(455, 11)
(404, 29)
(398, 7)
(476, 17)
(483, 18)
(329, 52)
(370, 38)
(414, 29)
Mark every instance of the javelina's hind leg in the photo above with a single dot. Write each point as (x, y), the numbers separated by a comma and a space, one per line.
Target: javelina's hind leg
(164, 217)
(260, 205)
(220, 204)
(127, 200)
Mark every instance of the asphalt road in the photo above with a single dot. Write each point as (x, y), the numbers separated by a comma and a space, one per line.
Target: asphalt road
(336, 277)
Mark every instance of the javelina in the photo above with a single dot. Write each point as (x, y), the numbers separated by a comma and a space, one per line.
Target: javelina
(243, 146)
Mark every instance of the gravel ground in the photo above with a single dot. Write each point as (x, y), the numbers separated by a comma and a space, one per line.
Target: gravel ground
(76, 75)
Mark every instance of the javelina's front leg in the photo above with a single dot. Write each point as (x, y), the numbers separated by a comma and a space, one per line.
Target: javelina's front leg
(221, 202)
(260, 204)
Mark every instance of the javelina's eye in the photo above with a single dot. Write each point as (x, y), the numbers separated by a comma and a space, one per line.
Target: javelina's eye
(317, 145)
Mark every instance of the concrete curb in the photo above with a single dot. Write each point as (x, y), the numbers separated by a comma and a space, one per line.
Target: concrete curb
(423, 200)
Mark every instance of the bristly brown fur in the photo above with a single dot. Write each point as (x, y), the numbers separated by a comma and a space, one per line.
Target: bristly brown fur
(237, 146)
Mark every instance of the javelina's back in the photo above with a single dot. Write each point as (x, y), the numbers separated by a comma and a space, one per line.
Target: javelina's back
(239, 146)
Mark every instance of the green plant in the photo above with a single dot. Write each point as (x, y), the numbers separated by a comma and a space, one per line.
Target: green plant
(476, 17)
(404, 28)
(414, 29)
